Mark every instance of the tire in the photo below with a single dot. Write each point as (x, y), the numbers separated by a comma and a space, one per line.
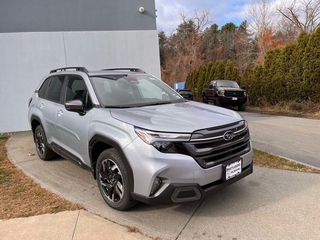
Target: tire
(242, 107)
(113, 182)
(204, 99)
(43, 150)
(216, 101)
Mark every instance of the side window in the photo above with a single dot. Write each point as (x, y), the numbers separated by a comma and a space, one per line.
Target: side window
(55, 87)
(43, 89)
(76, 89)
(215, 84)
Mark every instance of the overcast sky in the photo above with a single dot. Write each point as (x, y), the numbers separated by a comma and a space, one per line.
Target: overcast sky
(221, 12)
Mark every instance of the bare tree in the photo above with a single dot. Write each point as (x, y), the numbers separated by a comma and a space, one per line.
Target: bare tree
(260, 15)
(261, 20)
(303, 14)
(184, 47)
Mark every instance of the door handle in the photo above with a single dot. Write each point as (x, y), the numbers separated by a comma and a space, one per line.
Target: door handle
(60, 113)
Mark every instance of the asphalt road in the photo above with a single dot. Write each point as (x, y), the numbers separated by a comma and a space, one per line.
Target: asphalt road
(297, 139)
(268, 204)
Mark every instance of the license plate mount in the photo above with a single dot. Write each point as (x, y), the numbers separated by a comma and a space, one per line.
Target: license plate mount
(232, 169)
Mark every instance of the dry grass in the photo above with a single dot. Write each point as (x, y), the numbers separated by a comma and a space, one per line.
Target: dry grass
(21, 196)
(136, 230)
(305, 109)
(263, 159)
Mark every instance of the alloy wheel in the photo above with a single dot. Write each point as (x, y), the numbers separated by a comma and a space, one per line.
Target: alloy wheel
(111, 180)
(40, 144)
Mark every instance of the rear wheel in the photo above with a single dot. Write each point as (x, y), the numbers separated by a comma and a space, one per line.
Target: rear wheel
(112, 179)
(43, 150)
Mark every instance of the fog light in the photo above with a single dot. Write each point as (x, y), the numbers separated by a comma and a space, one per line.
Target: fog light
(156, 185)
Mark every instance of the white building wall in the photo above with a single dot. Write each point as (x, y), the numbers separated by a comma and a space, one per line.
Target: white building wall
(26, 57)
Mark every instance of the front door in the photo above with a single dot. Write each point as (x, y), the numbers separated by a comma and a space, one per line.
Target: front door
(72, 126)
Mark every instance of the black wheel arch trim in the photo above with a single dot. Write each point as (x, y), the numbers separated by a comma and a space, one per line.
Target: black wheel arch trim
(34, 117)
(113, 144)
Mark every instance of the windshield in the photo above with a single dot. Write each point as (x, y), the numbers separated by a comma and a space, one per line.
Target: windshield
(227, 84)
(133, 90)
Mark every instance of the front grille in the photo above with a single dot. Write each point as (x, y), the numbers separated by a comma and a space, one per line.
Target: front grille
(212, 149)
(232, 93)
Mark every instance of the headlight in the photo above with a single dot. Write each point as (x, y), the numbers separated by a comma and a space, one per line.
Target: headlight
(221, 92)
(244, 94)
(162, 141)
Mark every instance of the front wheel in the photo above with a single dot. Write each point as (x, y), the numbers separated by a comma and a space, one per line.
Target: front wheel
(40, 139)
(112, 179)
(242, 107)
(216, 101)
(204, 99)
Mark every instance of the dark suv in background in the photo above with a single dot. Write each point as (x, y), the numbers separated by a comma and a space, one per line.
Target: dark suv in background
(180, 88)
(225, 93)
(185, 93)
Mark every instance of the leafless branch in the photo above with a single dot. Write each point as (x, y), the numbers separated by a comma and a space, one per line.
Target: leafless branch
(304, 14)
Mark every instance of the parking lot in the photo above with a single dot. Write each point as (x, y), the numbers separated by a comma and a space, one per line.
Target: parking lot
(269, 204)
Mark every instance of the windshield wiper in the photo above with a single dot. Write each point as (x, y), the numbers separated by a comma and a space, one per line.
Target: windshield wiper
(154, 103)
(119, 106)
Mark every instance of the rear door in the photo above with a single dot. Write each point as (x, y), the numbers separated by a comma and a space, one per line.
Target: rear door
(50, 100)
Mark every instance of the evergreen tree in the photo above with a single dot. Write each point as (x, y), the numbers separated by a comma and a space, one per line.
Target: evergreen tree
(219, 71)
(191, 80)
(285, 70)
(163, 48)
(201, 80)
(231, 71)
(208, 72)
(247, 78)
(256, 94)
(270, 78)
(296, 73)
(311, 74)
(212, 72)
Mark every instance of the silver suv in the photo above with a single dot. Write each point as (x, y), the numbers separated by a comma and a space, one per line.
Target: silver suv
(140, 139)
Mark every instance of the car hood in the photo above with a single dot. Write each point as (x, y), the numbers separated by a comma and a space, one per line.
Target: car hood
(180, 117)
(230, 89)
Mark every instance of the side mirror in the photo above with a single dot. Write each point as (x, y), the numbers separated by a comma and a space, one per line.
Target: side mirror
(75, 106)
(243, 87)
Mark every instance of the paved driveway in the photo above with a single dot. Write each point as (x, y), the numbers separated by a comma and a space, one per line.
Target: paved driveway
(269, 204)
(294, 138)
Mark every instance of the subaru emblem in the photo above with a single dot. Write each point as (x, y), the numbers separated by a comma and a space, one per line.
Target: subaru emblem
(228, 135)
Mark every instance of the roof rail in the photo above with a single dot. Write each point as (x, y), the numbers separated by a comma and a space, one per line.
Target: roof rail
(126, 69)
(82, 69)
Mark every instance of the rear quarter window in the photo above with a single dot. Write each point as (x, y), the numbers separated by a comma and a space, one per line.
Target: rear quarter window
(43, 89)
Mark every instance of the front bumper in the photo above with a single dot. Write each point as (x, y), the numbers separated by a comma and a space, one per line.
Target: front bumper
(230, 100)
(179, 192)
(183, 179)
